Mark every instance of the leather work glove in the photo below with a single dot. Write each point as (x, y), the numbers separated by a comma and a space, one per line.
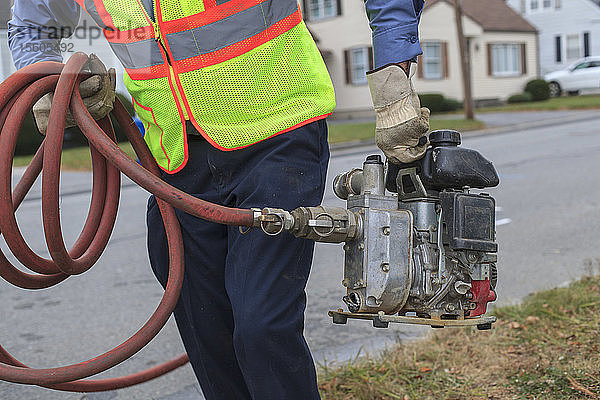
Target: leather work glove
(401, 122)
(98, 93)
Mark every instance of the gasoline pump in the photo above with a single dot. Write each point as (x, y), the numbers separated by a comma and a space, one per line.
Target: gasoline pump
(419, 241)
(424, 253)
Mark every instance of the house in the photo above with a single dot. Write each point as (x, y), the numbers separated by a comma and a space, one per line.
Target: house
(568, 29)
(502, 48)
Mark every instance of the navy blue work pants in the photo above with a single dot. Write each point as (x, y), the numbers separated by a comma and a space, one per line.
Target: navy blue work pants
(241, 311)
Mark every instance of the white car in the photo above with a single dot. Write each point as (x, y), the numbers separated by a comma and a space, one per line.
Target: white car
(583, 74)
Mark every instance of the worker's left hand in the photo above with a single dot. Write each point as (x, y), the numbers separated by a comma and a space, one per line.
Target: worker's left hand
(98, 93)
(402, 124)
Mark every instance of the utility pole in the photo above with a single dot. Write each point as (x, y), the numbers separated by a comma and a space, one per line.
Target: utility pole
(465, 63)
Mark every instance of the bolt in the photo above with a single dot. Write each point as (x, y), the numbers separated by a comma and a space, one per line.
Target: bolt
(360, 283)
(361, 246)
(450, 307)
(385, 267)
(472, 257)
(345, 283)
(387, 231)
(346, 247)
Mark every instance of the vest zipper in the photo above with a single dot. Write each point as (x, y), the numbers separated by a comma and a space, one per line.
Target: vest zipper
(159, 39)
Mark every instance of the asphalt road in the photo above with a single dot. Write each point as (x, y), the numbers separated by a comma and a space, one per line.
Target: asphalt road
(549, 208)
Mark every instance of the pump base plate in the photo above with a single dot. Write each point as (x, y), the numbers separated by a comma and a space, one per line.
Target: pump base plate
(382, 320)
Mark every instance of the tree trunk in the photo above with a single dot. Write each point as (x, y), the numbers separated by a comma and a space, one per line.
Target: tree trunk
(464, 62)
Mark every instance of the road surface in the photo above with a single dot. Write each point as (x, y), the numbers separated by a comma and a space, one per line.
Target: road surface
(549, 208)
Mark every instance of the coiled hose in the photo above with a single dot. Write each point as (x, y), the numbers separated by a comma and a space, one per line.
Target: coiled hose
(17, 96)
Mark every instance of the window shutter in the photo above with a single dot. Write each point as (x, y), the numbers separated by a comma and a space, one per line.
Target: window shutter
(371, 58)
(445, 72)
(558, 49)
(305, 10)
(586, 44)
(523, 59)
(348, 67)
(420, 67)
(339, 7)
(489, 59)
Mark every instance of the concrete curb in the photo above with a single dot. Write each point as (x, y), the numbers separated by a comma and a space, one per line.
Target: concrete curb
(484, 132)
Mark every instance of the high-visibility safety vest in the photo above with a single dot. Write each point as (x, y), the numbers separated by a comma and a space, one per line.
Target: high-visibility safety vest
(240, 70)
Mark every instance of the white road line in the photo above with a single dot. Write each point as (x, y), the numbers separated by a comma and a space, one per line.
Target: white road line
(503, 221)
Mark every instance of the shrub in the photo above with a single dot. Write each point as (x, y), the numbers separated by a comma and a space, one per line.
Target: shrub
(433, 101)
(520, 98)
(539, 89)
(29, 138)
(451, 105)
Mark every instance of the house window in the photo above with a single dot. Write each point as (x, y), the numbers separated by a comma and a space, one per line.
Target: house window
(358, 62)
(586, 44)
(573, 47)
(432, 60)
(534, 4)
(558, 49)
(506, 59)
(547, 3)
(319, 9)
(557, 3)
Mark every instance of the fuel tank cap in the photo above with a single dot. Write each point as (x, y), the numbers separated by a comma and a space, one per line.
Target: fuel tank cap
(444, 138)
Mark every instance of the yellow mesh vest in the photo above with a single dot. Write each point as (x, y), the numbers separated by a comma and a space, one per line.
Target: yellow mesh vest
(242, 72)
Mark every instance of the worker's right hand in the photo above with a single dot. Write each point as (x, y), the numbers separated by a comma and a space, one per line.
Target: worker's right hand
(98, 94)
(402, 124)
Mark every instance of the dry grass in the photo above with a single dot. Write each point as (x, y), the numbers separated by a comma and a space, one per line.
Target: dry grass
(546, 348)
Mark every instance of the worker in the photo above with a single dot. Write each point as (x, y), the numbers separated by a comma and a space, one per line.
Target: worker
(233, 95)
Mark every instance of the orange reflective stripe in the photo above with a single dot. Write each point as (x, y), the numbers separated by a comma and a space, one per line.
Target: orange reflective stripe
(129, 36)
(239, 48)
(104, 15)
(208, 16)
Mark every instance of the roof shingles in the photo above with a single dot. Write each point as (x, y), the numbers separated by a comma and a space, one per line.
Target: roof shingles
(492, 15)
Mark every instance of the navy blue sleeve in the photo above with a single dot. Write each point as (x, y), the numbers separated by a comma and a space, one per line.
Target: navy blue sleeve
(395, 26)
(37, 27)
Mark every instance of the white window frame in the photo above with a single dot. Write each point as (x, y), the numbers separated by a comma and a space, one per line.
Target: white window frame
(430, 61)
(359, 65)
(322, 9)
(512, 65)
(569, 52)
(537, 5)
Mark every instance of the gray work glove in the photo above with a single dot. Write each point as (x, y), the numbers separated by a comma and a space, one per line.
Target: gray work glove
(98, 93)
(401, 122)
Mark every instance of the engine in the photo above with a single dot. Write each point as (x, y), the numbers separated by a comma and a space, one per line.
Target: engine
(419, 241)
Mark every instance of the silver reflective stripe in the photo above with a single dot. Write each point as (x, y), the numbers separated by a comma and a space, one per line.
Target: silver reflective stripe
(142, 54)
(91, 9)
(230, 30)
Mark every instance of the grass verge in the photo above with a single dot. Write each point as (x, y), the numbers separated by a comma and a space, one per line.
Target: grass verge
(585, 102)
(76, 159)
(340, 133)
(546, 348)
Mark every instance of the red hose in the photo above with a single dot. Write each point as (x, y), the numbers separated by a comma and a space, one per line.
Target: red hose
(17, 95)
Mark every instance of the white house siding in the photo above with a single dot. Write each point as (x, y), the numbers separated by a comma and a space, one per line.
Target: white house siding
(574, 18)
(490, 87)
(335, 35)
(437, 24)
(432, 30)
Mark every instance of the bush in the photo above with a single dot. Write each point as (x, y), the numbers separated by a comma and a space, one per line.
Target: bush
(433, 101)
(539, 89)
(451, 105)
(525, 97)
(29, 138)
